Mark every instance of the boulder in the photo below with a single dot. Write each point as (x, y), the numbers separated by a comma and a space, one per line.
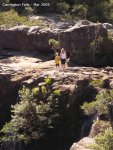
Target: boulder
(83, 23)
(83, 144)
(26, 38)
(108, 26)
(88, 45)
(60, 25)
(99, 127)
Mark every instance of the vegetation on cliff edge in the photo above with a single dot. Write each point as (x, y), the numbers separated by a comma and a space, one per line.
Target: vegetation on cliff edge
(95, 10)
(104, 139)
(42, 113)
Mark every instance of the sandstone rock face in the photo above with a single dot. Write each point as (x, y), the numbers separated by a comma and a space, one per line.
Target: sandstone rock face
(88, 44)
(54, 21)
(83, 144)
(17, 68)
(30, 69)
(99, 127)
(25, 38)
(83, 23)
(107, 26)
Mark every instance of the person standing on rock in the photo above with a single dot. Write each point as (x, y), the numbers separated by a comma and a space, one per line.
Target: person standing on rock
(63, 58)
(57, 60)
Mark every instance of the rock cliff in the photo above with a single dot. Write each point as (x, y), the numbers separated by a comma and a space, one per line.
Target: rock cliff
(88, 44)
(25, 38)
(17, 68)
(83, 144)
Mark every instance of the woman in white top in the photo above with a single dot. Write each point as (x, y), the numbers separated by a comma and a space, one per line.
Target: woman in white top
(63, 58)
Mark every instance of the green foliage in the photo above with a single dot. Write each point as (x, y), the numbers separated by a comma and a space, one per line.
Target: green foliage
(101, 11)
(32, 117)
(56, 92)
(63, 7)
(97, 83)
(95, 44)
(23, 125)
(44, 90)
(28, 121)
(100, 104)
(55, 44)
(110, 38)
(27, 11)
(41, 115)
(68, 17)
(35, 91)
(99, 126)
(48, 80)
(104, 140)
(25, 94)
(80, 11)
(11, 18)
(104, 135)
(10, 128)
(89, 108)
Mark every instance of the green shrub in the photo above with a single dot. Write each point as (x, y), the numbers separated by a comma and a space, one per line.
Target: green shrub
(27, 11)
(104, 140)
(97, 83)
(44, 90)
(28, 121)
(48, 80)
(31, 116)
(89, 108)
(100, 104)
(10, 19)
(56, 92)
(35, 91)
(80, 11)
(63, 7)
(109, 38)
(55, 44)
(68, 17)
(99, 126)
(24, 121)
(96, 41)
(111, 17)
(42, 117)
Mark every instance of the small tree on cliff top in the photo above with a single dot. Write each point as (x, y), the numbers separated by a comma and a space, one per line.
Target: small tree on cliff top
(100, 104)
(25, 123)
(42, 113)
(55, 45)
(33, 116)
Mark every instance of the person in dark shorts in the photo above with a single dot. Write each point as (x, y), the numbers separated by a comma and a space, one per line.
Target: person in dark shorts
(63, 58)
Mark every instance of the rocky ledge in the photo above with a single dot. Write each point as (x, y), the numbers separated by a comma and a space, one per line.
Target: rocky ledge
(83, 144)
(18, 68)
(88, 43)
